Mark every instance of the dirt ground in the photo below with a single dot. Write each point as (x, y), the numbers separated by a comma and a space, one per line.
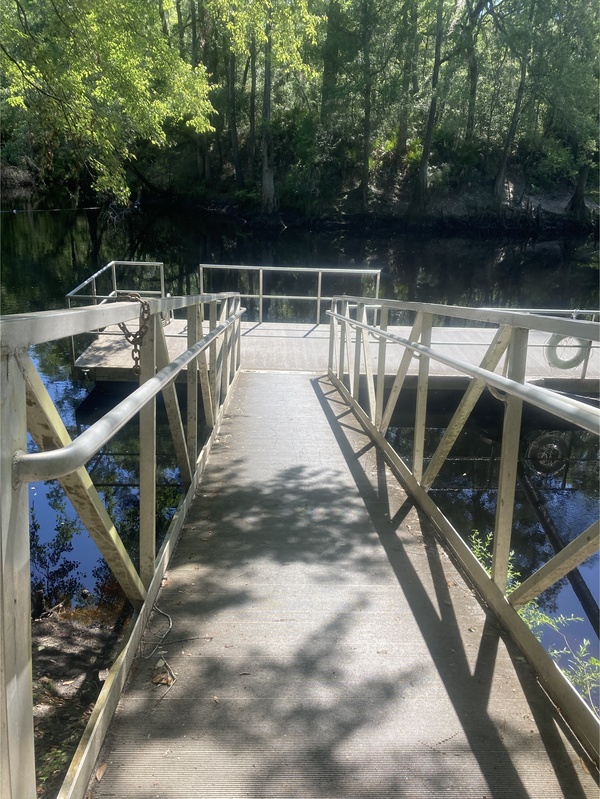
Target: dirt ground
(72, 653)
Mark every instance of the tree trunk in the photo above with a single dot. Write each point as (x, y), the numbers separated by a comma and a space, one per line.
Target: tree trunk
(331, 61)
(250, 171)
(180, 29)
(576, 204)
(366, 34)
(473, 70)
(419, 198)
(235, 150)
(409, 77)
(194, 23)
(501, 173)
(269, 199)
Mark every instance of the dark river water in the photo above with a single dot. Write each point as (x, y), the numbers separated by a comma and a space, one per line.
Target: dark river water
(46, 254)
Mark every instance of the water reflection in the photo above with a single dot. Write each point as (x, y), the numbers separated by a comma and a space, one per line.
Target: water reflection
(45, 255)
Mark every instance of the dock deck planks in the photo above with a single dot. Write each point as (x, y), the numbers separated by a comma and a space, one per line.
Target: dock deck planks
(324, 645)
(304, 348)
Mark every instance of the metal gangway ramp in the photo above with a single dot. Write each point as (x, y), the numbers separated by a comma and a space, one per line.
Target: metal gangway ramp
(306, 630)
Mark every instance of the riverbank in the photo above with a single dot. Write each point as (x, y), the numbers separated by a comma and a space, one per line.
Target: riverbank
(471, 209)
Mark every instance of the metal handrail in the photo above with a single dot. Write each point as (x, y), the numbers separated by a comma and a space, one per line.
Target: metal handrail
(112, 265)
(375, 412)
(514, 317)
(29, 467)
(317, 271)
(576, 412)
(213, 363)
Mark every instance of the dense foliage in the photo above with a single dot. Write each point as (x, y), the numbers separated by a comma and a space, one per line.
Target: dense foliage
(303, 103)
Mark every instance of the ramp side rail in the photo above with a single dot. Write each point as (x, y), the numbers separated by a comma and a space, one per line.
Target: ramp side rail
(212, 361)
(357, 366)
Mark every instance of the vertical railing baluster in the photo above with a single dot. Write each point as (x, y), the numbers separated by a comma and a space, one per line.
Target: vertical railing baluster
(343, 334)
(509, 458)
(355, 380)
(194, 331)
(147, 420)
(260, 295)
(213, 362)
(366, 348)
(226, 339)
(319, 291)
(238, 335)
(381, 355)
(421, 402)
(332, 336)
(17, 765)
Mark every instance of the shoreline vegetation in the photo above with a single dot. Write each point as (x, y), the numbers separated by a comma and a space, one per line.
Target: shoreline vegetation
(405, 113)
(473, 211)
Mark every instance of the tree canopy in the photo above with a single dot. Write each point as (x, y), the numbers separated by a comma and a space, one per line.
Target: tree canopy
(307, 102)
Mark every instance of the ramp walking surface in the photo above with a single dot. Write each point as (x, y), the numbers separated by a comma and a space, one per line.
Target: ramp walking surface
(322, 642)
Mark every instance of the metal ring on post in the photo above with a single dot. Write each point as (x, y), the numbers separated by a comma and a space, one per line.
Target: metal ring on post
(554, 359)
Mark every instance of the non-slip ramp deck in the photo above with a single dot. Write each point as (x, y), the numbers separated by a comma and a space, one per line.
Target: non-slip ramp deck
(322, 641)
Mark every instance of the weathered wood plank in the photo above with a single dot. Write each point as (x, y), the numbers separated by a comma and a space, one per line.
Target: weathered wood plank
(17, 767)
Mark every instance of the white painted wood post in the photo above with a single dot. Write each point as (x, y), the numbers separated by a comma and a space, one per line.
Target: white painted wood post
(238, 336)
(421, 407)
(405, 362)
(17, 763)
(343, 334)
(319, 291)
(509, 457)
(148, 459)
(226, 346)
(358, 336)
(381, 355)
(194, 330)
(332, 336)
(213, 361)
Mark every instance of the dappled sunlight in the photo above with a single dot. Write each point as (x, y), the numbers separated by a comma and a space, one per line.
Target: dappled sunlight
(320, 641)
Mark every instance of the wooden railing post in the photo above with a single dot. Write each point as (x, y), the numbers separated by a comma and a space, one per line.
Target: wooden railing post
(148, 459)
(381, 355)
(421, 405)
(194, 325)
(333, 327)
(319, 291)
(17, 764)
(358, 336)
(509, 457)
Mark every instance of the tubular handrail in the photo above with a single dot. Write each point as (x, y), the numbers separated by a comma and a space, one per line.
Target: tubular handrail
(578, 413)
(74, 293)
(26, 407)
(358, 370)
(577, 328)
(318, 272)
(24, 330)
(29, 467)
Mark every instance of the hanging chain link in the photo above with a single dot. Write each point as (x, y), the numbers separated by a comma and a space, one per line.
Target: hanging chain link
(135, 337)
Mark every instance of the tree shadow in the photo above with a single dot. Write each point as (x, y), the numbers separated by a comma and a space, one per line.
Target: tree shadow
(296, 673)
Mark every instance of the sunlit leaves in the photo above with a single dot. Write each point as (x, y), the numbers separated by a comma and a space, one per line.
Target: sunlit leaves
(101, 75)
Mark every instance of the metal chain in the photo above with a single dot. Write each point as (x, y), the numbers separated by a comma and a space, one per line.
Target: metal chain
(136, 337)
